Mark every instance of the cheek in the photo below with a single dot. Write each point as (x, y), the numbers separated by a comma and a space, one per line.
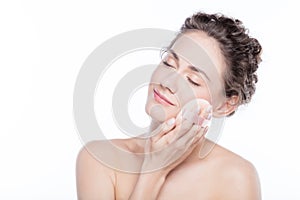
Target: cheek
(187, 94)
(216, 94)
(205, 94)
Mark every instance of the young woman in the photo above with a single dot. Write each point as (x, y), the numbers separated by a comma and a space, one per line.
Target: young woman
(207, 72)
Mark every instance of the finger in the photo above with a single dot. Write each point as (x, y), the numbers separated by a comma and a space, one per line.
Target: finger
(180, 130)
(162, 129)
(181, 146)
(200, 135)
(182, 126)
(191, 110)
(187, 139)
(205, 116)
(165, 137)
(206, 112)
(188, 116)
(197, 108)
(184, 121)
(187, 143)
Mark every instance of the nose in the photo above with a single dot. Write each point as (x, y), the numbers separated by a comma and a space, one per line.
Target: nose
(171, 82)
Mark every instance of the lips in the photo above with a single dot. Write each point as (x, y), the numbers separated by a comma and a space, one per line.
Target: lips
(161, 99)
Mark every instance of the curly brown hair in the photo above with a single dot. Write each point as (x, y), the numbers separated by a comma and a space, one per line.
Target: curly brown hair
(241, 52)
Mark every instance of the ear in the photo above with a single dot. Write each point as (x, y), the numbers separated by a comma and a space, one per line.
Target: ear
(228, 107)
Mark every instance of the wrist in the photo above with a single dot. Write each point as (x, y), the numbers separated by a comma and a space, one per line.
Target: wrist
(148, 186)
(158, 176)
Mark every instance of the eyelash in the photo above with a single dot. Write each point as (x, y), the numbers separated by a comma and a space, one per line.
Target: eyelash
(190, 80)
(167, 64)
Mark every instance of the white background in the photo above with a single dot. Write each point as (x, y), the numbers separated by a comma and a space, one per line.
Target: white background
(43, 45)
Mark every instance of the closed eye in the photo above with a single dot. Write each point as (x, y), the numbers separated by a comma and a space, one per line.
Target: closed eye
(169, 60)
(167, 64)
(193, 82)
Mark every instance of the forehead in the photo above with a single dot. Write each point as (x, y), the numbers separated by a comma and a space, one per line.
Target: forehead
(200, 50)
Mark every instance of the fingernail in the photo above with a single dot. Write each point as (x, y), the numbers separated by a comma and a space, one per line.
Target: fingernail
(171, 121)
(198, 108)
(206, 129)
(209, 109)
(206, 123)
(209, 116)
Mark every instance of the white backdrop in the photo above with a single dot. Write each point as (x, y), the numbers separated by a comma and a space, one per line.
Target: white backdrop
(43, 45)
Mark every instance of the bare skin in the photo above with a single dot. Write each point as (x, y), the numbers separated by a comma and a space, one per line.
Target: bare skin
(220, 175)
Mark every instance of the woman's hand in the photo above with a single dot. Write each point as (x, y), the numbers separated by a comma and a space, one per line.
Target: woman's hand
(174, 140)
(169, 145)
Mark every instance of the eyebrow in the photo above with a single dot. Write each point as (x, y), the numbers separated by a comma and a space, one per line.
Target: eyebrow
(196, 69)
(193, 68)
(174, 54)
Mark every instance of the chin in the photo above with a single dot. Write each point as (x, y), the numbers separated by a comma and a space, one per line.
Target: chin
(158, 112)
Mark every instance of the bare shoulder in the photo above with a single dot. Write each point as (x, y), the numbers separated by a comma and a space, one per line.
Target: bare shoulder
(98, 168)
(103, 153)
(237, 177)
(93, 179)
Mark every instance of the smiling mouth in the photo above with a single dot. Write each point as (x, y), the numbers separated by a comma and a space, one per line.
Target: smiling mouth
(161, 99)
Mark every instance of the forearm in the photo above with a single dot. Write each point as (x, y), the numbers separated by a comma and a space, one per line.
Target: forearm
(148, 186)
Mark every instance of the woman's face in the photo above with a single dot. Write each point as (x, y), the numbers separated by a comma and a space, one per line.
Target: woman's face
(192, 68)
